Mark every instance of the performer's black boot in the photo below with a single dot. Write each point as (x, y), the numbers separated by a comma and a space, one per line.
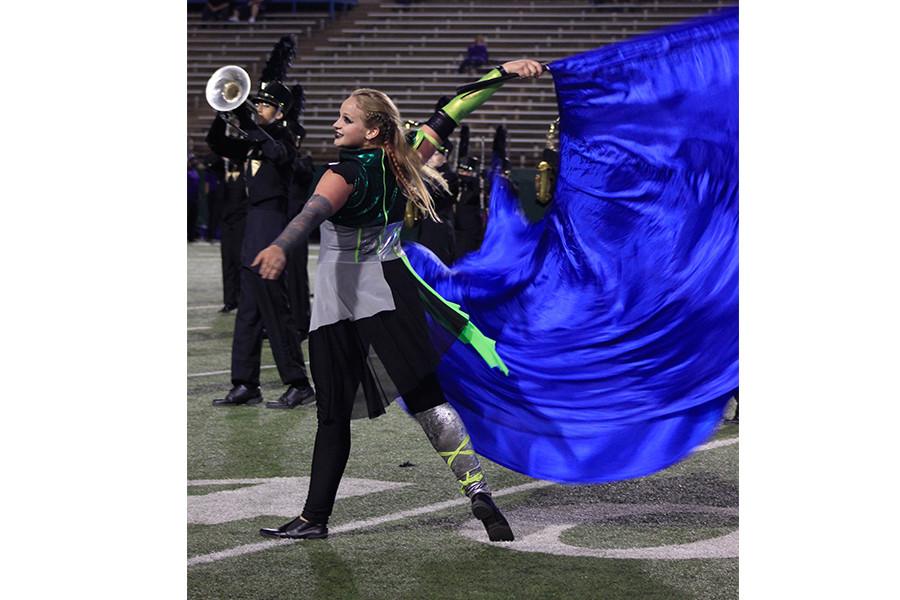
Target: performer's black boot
(494, 522)
(296, 529)
(447, 434)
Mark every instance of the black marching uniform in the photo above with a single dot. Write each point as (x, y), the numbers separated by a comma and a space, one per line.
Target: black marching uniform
(297, 263)
(468, 222)
(234, 218)
(269, 153)
(215, 180)
(440, 238)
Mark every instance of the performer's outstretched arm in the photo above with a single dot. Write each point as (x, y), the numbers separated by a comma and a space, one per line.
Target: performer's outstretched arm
(442, 123)
(329, 197)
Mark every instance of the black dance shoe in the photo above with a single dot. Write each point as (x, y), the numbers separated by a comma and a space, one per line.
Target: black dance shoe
(240, 394)
(298, 529)
(494, 522)
(294, 397)
(227, 308)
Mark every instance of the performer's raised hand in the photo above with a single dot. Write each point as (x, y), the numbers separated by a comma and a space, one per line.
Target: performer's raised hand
(524, 67)
(271, 262)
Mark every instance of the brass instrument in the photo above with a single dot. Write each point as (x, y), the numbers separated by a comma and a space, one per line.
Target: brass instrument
(227, 90)
(411, 215)
(545, 180)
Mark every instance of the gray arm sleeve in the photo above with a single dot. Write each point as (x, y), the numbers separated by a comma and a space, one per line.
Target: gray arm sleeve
(316, 210)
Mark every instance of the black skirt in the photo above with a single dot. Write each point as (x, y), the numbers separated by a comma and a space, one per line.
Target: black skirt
(360, 366)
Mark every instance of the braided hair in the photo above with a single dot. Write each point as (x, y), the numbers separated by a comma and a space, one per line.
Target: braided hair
(405, 162)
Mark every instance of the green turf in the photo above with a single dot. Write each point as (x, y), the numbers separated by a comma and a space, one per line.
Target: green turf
(425, 556)
(421, 561)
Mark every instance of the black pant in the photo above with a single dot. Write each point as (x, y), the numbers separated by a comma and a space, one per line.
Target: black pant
(340, 370)
(264, 302)
(214, 203)
(298, 288)
(192, 220)
(232, 237)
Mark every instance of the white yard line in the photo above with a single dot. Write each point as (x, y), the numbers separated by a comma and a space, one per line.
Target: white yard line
(208, 373)
(717, 444)
(204, 307)
(366, 523)
(199, 328)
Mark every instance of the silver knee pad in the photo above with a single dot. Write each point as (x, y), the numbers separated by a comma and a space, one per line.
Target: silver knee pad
(447, 434)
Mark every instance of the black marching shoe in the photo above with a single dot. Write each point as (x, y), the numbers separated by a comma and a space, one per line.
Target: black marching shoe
(240, 394)
(494, 522)
(294, 397)
(227, 308)
(298, 529)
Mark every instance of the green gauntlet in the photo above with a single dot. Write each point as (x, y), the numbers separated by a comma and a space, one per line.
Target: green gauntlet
(462, 106)
(445, 120)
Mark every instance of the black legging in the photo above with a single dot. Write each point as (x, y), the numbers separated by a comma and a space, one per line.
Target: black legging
(332, 450)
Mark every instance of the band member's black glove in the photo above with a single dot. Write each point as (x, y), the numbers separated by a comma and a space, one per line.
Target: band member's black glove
(245, 117)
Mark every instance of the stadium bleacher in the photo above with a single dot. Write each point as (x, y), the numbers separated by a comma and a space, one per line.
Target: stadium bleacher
(412, 52)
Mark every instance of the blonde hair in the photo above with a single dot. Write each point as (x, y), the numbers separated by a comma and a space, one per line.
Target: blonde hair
(406, 164)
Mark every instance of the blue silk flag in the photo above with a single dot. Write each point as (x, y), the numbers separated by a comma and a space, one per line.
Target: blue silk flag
(617, 313)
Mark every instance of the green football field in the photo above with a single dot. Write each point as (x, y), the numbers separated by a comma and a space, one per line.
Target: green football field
(405, 531)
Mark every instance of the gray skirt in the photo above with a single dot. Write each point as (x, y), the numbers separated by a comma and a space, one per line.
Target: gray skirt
(350, 283)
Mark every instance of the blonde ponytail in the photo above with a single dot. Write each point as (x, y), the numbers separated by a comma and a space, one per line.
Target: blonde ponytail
(405, 162)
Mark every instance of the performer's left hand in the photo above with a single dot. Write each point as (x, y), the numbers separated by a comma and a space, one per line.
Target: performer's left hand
(524, 67)
(271, 262)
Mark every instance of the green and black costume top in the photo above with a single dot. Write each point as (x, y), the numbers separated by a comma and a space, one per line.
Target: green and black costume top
(376, 199)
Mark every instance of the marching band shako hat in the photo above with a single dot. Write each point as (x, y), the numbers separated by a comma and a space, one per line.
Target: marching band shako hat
(271, 89)
(292, 117)
(275, 93)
